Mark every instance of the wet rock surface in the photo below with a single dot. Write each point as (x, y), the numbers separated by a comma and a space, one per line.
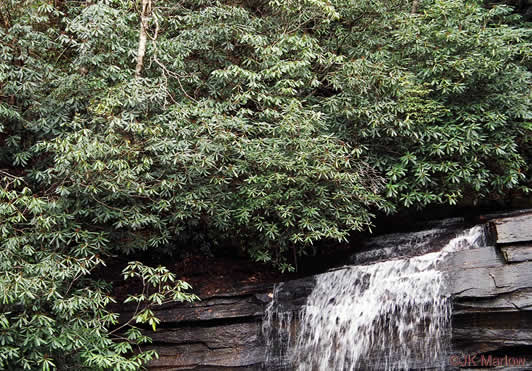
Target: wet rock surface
(492, 305)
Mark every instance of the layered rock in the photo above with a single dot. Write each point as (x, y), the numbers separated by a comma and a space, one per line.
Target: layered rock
(492, 305)
(493, 294)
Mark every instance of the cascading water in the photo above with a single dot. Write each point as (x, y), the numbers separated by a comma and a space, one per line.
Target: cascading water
(392, 315)
(277, 331)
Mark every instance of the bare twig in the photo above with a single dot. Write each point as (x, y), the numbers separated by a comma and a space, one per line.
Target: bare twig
(166, 71)
(135, 313)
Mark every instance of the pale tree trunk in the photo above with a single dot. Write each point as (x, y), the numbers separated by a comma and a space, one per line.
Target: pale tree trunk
(415, 3)
(143, 37)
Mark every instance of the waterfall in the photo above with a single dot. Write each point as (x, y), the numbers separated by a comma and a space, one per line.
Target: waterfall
(391, 315)
(277, 331)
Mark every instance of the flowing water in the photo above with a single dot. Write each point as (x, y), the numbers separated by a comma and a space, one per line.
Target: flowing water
(391, 315)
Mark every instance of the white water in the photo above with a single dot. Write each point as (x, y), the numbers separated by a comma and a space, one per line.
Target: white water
(392, 315)
(277, 330)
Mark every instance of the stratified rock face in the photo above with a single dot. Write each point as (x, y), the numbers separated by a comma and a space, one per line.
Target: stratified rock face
(218, 333)
(513, 230)
(222, 332)
(395, 245)
(491, 290)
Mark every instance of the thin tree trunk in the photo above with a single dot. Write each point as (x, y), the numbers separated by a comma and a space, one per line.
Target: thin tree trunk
(4, 17)
(415, 3)
(143, 37)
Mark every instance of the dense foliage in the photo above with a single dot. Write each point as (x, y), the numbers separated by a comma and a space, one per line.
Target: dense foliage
(267, 125)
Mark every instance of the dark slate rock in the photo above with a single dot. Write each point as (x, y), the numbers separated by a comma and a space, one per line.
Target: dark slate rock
(492, 304)
(492, 281)
(395, 245)
(200, 357)
(513, 229)
(516, 254)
